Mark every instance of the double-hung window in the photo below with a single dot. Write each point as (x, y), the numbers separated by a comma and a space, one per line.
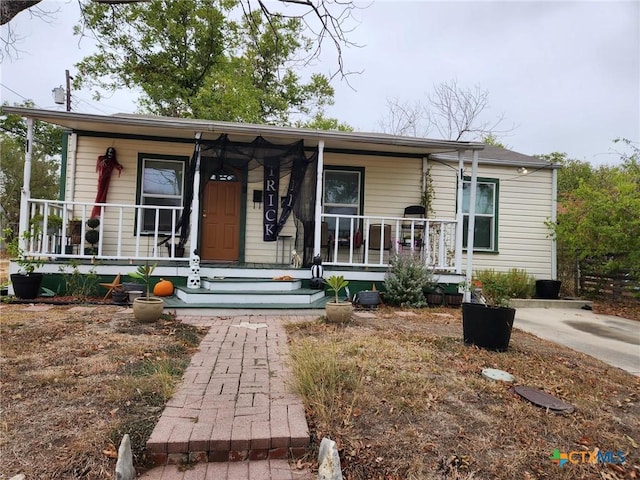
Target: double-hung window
(486, 216)
(342, 196)
(162, 185)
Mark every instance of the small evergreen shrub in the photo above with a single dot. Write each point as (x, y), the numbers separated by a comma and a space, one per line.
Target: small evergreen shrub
(406, 280)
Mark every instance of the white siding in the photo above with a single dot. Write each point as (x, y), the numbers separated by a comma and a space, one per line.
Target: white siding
(525, 204)
(390, 185)
(123, 187)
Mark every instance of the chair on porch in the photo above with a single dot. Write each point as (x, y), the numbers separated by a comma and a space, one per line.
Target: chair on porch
(413, 212)
(376, 235)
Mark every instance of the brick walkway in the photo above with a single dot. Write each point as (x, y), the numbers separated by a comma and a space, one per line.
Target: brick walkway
(234, 412)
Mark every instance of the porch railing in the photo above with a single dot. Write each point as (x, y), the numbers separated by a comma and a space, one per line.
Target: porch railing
(59, 228)
(370, 241)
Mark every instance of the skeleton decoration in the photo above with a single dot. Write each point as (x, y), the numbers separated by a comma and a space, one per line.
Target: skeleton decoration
(193, 281)
(296, 261)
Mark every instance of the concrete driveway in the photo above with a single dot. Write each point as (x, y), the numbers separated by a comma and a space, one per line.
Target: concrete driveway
(613, 340)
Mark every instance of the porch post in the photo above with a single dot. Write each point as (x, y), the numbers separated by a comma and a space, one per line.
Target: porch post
(195, 201)
(25, 194)
(472, 224)
(459, 216)
(554, 217)
(318, 210)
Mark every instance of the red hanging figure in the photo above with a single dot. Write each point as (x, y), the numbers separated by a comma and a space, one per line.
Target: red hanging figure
(104, 167)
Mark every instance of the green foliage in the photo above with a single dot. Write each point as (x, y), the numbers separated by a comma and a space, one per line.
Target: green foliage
(45, 164)
(499, 288)
(27, 264)
(77, 284)
(336, 283)
(199, 59)
(491, 139)
(598, 212)
(143, 272)
(406, 281)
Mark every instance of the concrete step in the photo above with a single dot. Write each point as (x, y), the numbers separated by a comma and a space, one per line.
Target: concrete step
(245, 298)
(545, 303)
(226, 284)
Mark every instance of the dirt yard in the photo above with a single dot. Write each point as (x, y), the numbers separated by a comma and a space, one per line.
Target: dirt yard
(74, 379)
(406, 400)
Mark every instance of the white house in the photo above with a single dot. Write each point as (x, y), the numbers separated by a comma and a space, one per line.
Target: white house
(245, 197)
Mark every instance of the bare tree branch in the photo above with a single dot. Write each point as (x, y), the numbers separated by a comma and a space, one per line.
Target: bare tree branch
(454, 112)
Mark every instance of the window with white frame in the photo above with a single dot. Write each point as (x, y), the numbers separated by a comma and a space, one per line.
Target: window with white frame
(486, 216)
(162, 184)
(342, 196)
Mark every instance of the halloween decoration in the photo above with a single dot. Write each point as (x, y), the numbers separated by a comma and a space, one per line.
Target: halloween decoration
(105, 165)
(317, 272)
(164, 288)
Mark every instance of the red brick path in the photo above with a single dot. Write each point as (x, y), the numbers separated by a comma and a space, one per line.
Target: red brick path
(234, 406)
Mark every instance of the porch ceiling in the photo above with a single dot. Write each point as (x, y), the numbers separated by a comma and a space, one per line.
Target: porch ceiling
(169, 127)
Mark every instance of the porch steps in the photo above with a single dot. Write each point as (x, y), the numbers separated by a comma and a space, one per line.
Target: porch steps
(250, 293)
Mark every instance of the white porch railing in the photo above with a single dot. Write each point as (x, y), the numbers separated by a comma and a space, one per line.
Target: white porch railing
(58, 229)
(370, 241)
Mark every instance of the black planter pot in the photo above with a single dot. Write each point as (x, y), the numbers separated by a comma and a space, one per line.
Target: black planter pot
(434, 299)
(487, 327)
(26, 286)
(453, 299)
(119, 297)
(368, 298)
(548, 289)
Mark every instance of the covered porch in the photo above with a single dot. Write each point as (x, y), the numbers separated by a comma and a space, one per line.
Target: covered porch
(358, 244)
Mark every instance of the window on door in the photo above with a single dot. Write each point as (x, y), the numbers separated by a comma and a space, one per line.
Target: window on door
(342, 196)
(486, 217)
(162, 184)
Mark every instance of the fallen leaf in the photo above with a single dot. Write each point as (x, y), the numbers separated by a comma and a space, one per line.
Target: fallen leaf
(114, 411)
(633, 443)
(110, 451)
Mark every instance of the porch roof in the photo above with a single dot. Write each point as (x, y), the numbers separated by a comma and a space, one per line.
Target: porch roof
(186, 128)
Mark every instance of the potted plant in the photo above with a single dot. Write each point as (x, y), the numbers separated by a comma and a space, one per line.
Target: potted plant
(146, 309)
(337, 311)
(92, 236)
(487, 323)
(26, 283)
(119, 295)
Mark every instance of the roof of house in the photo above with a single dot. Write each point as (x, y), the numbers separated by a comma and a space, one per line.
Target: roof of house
(491, 155)
(124, 124)
(186, 128)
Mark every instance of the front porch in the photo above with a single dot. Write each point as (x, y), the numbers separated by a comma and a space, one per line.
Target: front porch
(58, 230)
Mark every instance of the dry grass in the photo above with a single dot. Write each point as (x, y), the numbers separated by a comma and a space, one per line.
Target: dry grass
(404, 398)
(74, 382)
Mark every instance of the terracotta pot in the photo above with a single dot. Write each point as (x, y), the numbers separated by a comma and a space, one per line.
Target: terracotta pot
(338, 312)
(147, 309)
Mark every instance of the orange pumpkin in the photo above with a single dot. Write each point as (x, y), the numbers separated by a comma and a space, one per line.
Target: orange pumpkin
(163, 288)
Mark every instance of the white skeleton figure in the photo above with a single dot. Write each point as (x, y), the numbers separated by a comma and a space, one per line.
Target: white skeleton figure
(296, 262)
(194, 271)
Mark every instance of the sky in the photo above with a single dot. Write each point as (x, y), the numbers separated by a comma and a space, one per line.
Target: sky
(565, 76)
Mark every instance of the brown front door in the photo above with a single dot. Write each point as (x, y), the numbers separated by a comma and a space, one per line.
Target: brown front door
(221, 218)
